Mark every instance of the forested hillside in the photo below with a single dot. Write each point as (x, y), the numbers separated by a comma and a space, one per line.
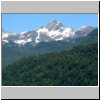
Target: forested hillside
(74, 67)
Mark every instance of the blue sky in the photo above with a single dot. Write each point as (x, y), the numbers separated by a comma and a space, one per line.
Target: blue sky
(26, 22)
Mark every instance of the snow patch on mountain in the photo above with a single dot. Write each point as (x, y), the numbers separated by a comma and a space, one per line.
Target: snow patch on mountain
(4, 35)
(5, 41)
(44, 30)
(23, 41)
(37, 38)
(22, 33)
(58, 39)
(83, 27)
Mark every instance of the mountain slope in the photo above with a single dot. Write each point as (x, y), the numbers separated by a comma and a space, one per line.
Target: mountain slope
(15, 52)
(75, 67)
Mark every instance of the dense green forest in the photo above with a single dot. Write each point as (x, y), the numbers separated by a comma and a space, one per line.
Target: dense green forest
(74, 67)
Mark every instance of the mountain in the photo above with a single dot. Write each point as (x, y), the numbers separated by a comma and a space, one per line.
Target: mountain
(74, 67)
(54, 31)
(52, 38)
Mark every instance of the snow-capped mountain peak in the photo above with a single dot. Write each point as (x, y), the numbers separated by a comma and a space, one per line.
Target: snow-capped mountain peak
(53, 21)
(54, 31)
(54, 25)
(84, 31)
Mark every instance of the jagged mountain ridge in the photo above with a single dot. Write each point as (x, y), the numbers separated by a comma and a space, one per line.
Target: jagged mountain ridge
(54, 31)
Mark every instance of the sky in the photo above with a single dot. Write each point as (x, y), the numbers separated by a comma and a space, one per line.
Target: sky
(26, 22)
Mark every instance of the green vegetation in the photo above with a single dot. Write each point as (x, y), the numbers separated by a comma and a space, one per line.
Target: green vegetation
(74, 67)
